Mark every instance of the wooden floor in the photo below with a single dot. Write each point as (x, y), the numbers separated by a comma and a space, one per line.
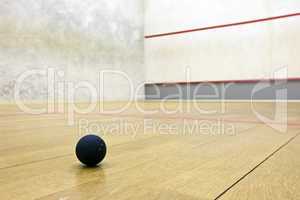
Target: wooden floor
(230, 154)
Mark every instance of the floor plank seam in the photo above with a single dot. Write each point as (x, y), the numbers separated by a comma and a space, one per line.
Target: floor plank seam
(255, 167)
(35, 161)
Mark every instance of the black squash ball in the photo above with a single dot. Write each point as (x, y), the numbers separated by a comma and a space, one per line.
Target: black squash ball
(90, 150)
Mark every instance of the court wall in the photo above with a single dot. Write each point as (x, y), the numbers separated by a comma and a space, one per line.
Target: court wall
(75, 39)
(254, 51)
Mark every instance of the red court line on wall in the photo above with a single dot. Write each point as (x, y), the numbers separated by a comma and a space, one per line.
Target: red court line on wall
(223, 25)
(225, 81)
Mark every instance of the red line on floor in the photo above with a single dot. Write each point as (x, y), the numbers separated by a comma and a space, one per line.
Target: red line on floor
(144, 116)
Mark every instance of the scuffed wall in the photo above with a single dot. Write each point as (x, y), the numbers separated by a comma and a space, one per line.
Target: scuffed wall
(78, 38)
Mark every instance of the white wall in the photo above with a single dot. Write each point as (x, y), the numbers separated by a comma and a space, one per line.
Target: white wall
(81, 38)
(240, 52)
